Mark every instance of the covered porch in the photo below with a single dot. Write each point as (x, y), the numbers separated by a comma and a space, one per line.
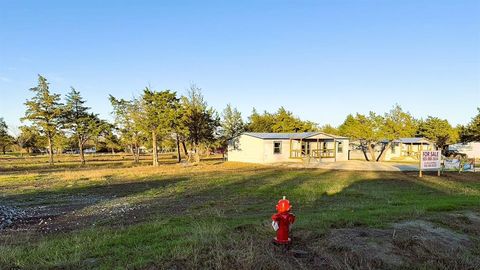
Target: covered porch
(317, 147)
(412, 147)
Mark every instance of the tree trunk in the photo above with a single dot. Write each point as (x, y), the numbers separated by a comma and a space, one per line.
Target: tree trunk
(372, 152)
(364, 150)
(50, 150)
(185, 148)
(179, 158)
(155, 150)
(197, 152)
(113, 151)
(80, 149)
(383, 153)
(132, 149)
(137, 153)
(365, 154)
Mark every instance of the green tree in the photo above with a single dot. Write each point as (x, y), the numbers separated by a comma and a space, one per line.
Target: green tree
(125, 111)
(438, 131)
(471, 132)
(366, 129)
(285, 121)
(260, 122)
(179, 129)
(79, 121)
(231, 126)
(44, 110)
(5, 138)
(112, 141)
(157, 116)
(396, 124)
(61, 142)
(280, 121)
(29, 138)
(100, 130)
(329, 129)
(200, 120)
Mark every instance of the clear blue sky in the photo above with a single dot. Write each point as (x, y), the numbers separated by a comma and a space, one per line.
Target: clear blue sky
(319, 59)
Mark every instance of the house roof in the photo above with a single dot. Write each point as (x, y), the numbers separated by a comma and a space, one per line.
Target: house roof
(412, 140)
(287, 136)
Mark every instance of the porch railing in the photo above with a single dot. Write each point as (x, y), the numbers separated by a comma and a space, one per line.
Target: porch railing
(294, 153)
(323, 153)
(314, 153)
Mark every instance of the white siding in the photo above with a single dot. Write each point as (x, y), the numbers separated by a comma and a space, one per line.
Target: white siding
(256, 150)
(250, 149)
(346, 146)
(270, 157)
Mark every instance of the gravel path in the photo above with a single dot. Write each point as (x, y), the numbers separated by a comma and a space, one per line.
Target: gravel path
(8, 215)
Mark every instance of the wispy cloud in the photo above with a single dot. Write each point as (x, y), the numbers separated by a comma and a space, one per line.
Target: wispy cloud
(5, 79)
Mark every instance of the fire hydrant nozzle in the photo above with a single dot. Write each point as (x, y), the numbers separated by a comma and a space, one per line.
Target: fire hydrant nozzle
(282, 221)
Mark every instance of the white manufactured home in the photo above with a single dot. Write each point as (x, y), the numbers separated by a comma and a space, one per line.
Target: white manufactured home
(472, 149)
(287, 147)
(408, 149)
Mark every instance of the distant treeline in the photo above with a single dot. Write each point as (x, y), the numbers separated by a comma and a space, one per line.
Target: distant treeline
(163, 119)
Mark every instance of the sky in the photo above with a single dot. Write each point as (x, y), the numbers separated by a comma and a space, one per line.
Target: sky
(319, 59)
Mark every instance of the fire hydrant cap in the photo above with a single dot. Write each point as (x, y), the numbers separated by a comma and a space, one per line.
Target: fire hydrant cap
(283, 205)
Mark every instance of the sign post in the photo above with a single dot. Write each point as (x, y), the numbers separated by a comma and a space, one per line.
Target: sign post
(430, 160)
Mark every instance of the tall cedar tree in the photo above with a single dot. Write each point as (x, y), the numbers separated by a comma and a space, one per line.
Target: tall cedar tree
(200, 120)
(44, 110)
(125, 111)
(5, 138)
(231, 126)
(157, 116)
(78, 121)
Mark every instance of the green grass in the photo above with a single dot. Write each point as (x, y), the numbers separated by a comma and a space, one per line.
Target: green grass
(214, 215)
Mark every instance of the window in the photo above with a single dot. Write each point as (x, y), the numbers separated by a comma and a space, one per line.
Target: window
(277, 147)
(340, 147)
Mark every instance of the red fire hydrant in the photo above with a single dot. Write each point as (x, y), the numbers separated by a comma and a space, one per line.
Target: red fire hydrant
(282, 221)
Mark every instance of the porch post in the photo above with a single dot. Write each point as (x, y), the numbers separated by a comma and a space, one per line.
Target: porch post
(290, 147)
(335, 148)
(301, 146)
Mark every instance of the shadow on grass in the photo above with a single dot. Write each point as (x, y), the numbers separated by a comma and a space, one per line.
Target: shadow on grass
(225, 202)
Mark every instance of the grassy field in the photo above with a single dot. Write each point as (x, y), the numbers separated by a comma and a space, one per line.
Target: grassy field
(110, 214)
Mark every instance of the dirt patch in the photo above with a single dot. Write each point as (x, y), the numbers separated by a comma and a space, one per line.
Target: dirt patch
(408, 244)
(467, 222)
